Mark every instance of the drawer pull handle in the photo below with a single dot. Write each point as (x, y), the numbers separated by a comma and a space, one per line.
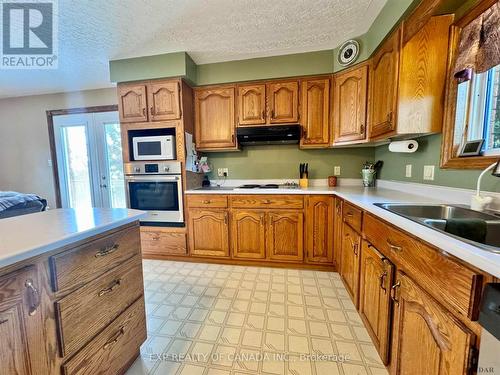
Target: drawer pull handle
(267, 201)
(349, 214)
(115, 339)
(33, 297)
(262, 220)
(382, 281)
(394, 289)
(107, 250)
(155, 238)
(115, 284)
(394, 247)
(207, 201)
(4, 321)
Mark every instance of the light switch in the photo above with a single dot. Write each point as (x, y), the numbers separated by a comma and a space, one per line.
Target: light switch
(336, 170)
(429, 172)
(408, 170)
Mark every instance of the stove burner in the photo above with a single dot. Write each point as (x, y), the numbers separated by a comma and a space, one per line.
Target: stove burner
(269, 186)
(249, 186)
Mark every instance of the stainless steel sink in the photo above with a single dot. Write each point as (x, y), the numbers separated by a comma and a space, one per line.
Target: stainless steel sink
(435, 217)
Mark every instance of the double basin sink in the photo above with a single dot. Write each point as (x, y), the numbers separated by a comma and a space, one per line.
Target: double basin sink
(439, 216)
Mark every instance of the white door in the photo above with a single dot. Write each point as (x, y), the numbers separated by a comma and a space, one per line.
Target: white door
(89, 160)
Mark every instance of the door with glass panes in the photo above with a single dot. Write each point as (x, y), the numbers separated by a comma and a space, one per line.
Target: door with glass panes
(89, 160)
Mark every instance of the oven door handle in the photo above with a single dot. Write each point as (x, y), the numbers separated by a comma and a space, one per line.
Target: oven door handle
(155, 178)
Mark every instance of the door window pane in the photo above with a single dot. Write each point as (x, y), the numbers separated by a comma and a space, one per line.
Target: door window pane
(114, 162)
(77, 166)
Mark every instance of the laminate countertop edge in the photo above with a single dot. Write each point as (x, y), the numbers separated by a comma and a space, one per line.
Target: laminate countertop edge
(366, 197)
(27, 236)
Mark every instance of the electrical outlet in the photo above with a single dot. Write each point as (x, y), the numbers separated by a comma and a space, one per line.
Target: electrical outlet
(429, 172)
(222, 172)
(408, 170)
(336, 170)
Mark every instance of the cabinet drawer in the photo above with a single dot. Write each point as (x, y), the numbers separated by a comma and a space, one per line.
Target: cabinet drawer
(267, 201)
(444, 278)
(162, 241)
(77, 266)
(352, 216)
(114, 348)
(83, 313)
(214, 201)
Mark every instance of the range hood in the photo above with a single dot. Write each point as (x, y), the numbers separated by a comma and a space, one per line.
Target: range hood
(268, 135)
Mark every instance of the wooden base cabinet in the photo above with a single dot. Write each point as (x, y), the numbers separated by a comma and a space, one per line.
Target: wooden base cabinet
(351, 245)
(209, 232)
(337, 234)
(248, 232)
(158, 241)
(319, 228)
(374, 297)
(427, 339)
(285, 235)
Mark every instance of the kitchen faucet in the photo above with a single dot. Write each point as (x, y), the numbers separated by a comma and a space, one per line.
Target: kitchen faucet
(479, 203)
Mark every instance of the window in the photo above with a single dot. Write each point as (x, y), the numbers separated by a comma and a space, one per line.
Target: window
(477, 114)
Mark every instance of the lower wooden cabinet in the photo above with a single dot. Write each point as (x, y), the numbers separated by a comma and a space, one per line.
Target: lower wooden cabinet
(375, 298)
(158, 241)
(351, 247)
(427, 339)
(319, 228)
(21, 324)
(209, 232)
(337, 234)
(285, 235)
(248, 232)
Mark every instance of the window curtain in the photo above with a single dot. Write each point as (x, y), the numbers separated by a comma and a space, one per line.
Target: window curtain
(479, 47)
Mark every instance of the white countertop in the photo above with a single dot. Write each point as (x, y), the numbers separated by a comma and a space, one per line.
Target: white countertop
(365, 199)
(26, 236)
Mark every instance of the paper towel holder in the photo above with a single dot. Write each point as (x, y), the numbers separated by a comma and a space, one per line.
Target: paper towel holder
(407, 146)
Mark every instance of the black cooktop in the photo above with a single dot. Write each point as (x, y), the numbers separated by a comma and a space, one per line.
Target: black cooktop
(256, 186)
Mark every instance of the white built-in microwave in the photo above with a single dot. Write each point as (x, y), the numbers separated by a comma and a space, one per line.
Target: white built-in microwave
(161, 147)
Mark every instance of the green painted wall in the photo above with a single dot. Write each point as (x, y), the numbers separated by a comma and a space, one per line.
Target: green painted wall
(283, 161)
(428, 153)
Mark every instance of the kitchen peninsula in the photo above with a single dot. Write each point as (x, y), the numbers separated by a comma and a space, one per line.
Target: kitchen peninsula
(71, 282)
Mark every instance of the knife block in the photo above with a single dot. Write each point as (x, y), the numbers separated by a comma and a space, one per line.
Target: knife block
(303, 182)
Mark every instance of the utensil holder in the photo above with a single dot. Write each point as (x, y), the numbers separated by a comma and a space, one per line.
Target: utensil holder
(304, 182)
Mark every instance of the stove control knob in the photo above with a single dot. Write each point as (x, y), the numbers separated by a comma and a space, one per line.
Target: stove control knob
(167, 169)
(137, 169)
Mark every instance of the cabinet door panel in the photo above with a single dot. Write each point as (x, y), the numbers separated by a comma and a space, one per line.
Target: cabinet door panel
(374, 299)
(248, 234)
(163, 100)
(427, 338)
(349, 105)
(132, 103)
(315, 113)
(21, 325)
(283, 102)
(252, 105)
(319, 228)
(214, 118)
(208, 232)
(337, 240)
(384, 79)
(350, 261)
(285, 231)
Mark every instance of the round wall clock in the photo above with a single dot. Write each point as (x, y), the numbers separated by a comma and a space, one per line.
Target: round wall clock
(348, 52)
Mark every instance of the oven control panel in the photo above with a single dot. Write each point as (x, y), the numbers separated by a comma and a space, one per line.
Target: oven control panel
(142, 168)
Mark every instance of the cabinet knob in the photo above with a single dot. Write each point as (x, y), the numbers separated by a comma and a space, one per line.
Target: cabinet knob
(394, 289)
(382, 281)
(144, 111)
(115, 284)
(362, 129)
(152, 111)
(206, 201)
(33, 297)
(114, 339)
(107, 250)
(389, 117)
(393, 247)
(2, 321)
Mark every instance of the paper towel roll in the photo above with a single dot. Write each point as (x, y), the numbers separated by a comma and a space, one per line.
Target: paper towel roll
(403, 146)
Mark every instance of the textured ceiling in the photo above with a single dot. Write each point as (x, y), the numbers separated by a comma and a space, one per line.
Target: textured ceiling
(92, 32)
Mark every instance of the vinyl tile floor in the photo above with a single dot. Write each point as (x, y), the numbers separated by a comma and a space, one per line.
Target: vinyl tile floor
(207, 319)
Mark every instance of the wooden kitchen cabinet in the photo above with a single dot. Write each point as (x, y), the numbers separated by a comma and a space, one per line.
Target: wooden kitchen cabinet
(158, 241)
(164, 100)
(248, 234)
(285, 235)
(315, 113)
(427, 339)
(283, 102)
(214, 118)
(319, 228)
(350, 97)
(337, 234)
(375, 304)
(209, 232)
(21, 324)
(132, 103)
(252, 104)
(384, 78)
(351, 247)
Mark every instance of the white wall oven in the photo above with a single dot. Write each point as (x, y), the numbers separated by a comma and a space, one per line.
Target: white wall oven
(157, 189)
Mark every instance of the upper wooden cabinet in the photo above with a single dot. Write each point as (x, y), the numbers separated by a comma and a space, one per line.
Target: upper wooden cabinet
(350, 97)
(384, 77)
(21, 324)
(214, 118)
(209, 232)
(163, 101)
(315, 113)
(285, 235)
(427, 339)
(252, 105)
(132, 103)
(319, 228)
(149, 101)
(248, 234)
(283, 102)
